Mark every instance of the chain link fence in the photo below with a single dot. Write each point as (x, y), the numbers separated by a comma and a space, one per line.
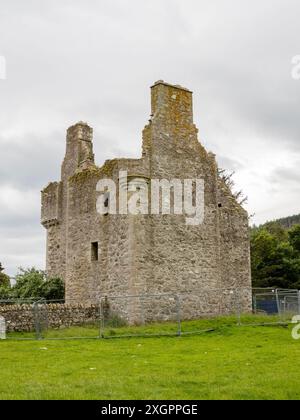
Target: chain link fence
(14, 312)
(140, 315)
(147, 315)
(276, 305)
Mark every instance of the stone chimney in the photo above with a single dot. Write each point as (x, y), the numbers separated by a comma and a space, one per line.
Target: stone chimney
(171, 103)
(79, 150)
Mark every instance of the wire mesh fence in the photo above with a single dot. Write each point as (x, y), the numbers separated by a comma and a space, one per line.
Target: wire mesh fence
(288, 302)
(274, 306)
(60, 320)
(147, 315)
(14, 312)
(140, 315)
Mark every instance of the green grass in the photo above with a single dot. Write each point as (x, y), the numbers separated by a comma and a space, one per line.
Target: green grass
(228, 362)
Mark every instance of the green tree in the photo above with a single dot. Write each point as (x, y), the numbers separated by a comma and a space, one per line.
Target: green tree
(263, 246)
(53, 289)
(275, 256)
(5, 293)
(277, 230)
(28, 283)
(4, 279)
(294, 238)
(33, 283)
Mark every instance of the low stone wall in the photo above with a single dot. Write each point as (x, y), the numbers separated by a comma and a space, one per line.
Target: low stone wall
(132, 310)
(18, 317)
(25, 318)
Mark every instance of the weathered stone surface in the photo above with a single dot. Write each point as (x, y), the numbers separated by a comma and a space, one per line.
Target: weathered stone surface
(25, 318)
(147, 254)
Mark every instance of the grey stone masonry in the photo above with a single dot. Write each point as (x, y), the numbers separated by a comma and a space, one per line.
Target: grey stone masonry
(108, 255)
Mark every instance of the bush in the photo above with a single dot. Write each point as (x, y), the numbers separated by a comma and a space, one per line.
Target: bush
(4, 279)
(5, 293)
(33, 284)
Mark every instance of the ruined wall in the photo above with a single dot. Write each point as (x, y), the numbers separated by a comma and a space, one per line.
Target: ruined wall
(185, 257)
(51, 218)
(149, 254)
(195, 261)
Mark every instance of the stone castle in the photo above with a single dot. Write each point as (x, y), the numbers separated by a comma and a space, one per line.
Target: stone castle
(130, 255)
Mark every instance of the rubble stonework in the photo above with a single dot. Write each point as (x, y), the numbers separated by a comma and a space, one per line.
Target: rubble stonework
(25, 317)
(146, 254)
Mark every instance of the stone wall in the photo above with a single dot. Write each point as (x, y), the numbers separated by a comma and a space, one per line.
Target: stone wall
(23, 318)
(132, 310)
(148, 254)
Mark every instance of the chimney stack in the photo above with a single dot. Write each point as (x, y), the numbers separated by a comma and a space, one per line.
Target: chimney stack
(171, 102)
(79, 151)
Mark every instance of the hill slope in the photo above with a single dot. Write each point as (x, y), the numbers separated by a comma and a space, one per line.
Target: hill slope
(285, 222)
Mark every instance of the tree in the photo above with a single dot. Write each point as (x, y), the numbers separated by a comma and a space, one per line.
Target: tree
(294, 238)
(263, 246)
(4, 279)
(275, 256)
(33, 283)
(53, 289)
(28, 283)
(277, 230)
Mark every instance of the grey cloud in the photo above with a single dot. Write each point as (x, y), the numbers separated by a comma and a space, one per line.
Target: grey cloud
(229, 164)
(33, 161)
(287, 175)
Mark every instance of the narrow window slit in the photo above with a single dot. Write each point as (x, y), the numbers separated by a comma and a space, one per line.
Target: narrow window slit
(95, 251)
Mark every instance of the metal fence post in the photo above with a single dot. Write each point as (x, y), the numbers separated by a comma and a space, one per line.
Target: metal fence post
(141, 297)
(178, 310)
(99, 324)
(254, 304)
(101, 327)
(37, 322)
(238, 307)
(278, 303)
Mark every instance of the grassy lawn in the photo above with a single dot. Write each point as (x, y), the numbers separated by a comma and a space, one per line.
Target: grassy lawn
(228, 362)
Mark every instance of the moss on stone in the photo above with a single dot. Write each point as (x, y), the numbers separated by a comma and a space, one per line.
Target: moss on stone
(94, 171)
(108, 167)
(50, 187)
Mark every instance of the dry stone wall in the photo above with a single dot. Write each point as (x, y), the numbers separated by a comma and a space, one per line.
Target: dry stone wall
(24, 318)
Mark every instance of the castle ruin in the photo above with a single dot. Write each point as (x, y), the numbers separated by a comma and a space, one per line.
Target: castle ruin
(121, 255)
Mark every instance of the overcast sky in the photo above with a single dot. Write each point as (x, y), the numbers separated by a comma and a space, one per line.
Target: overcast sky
(95, 61)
